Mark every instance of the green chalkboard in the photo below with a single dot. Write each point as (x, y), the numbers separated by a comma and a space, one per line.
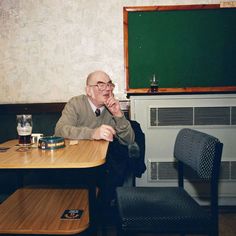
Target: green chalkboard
(187, 49)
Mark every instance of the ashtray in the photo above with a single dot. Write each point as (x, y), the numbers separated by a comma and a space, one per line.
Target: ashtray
(51, 143)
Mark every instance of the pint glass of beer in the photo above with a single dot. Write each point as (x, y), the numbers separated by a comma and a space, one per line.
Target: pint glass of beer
(24, 129)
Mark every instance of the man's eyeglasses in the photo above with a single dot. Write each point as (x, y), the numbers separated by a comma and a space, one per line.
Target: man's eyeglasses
(102, 86)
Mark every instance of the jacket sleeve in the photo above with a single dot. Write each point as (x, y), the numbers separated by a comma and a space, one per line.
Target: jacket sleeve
(124, 131)
(137, 163)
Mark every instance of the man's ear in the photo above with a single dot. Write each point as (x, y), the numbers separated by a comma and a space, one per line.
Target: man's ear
(88, 90)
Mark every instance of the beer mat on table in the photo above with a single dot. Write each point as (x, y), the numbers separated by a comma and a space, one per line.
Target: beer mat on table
(73, 142)
(3, 149)
(23, 149)
(72, 214)
(51, 143)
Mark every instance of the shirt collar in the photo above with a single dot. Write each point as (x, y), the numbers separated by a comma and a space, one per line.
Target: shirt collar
(94, 107)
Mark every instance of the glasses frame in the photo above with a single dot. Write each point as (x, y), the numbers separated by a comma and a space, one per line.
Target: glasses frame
(102, 85)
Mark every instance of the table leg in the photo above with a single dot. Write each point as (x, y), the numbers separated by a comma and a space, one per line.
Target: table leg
(92, 209)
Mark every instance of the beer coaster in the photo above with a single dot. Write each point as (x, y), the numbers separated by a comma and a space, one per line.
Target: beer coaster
(73, 142)
(23, 149)
(72, 214)
(3, 149)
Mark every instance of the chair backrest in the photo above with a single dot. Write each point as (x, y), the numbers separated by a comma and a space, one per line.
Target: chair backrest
(200, 151)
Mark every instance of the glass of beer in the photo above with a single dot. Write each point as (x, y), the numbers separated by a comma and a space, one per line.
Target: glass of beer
(24, 129)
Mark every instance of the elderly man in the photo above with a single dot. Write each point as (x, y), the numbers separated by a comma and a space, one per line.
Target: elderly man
(96, 115)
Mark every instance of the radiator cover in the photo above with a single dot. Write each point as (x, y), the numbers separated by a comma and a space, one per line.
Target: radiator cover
(162, 116)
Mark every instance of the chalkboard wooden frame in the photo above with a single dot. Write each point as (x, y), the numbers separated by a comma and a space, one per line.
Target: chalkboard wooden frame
(168, 90)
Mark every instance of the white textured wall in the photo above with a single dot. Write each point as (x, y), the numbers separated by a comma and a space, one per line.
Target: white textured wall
(47, 47)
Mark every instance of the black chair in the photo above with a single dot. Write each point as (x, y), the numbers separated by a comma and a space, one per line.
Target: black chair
(171, 209)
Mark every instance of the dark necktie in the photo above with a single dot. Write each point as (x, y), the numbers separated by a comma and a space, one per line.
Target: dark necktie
(97, 112)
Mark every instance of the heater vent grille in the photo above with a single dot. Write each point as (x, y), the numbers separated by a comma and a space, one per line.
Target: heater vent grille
(187, 116)
(158, 171)
(233, 114)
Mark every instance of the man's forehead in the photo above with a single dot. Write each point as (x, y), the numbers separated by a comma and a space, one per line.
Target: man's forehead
(101, 78)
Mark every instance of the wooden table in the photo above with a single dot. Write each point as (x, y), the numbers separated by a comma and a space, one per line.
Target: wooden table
(85, 154)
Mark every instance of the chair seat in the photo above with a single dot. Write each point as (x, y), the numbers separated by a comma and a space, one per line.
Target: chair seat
(158, 209)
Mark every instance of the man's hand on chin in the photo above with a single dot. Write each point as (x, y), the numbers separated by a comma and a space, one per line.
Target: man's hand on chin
(113, 106)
